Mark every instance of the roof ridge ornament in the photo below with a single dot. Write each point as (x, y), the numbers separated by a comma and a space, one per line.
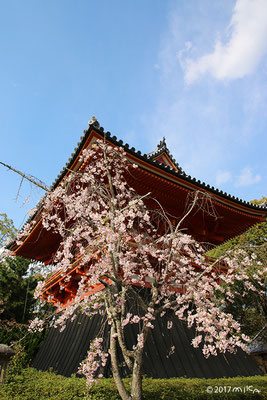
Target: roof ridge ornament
(93, 122)
(163, 148)
(162, 144)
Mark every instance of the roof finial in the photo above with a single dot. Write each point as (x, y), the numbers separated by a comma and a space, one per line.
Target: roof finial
(93, 121)
(162, 144)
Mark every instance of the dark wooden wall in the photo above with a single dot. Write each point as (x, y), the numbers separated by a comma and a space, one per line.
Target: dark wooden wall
(63, 351)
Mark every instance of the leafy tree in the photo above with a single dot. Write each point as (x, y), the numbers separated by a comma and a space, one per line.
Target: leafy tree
(16, 289)
(249, 310)
(17, 303)
(16, 285)
(140, 266)
(7, 229)
(260, 202)
(254, 241)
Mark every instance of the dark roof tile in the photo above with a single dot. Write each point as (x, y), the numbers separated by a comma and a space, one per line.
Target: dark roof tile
(162, 147)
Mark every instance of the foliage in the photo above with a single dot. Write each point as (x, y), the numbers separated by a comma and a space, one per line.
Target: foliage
(259, 202)
(17, 363)
(125, 241)
(31, 384)
(17, 288)
(249, 310)
(12, 332)
(254, 241)
(7, 229)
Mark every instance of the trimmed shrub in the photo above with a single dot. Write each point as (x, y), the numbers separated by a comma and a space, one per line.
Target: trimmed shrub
(31, 384)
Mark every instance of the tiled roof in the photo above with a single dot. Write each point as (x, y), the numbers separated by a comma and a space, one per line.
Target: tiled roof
(148, 158)
(93, 124)
(163, 148)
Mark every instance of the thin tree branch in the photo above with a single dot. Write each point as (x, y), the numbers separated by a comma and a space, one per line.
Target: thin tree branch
(258, 334)
(26, 177)
(19, 188)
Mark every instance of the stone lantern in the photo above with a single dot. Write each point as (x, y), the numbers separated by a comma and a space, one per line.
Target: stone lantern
(5, 354)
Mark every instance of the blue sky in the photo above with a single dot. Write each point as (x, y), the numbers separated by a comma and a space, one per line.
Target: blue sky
(193, 71)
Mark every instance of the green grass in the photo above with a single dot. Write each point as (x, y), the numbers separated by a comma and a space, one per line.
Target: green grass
(31, 384)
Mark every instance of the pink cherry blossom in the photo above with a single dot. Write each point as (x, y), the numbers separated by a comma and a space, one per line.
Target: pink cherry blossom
(111, 234)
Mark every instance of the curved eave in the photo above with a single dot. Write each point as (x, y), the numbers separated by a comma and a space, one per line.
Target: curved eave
(187, 179)
(162, 173)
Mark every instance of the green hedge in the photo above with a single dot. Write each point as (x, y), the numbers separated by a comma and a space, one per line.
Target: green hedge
(36, 385)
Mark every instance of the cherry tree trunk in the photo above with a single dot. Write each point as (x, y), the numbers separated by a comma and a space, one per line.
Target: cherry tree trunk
(115, 368)
(136, 391)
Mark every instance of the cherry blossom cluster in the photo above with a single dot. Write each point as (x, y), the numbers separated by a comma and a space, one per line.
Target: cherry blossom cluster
(36, 325)
(126, 242)
(95, 361)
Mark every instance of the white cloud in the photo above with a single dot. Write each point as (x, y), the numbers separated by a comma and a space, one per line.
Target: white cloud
(211, 130)
(244, 50)
(223, 177)
(246, 177)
